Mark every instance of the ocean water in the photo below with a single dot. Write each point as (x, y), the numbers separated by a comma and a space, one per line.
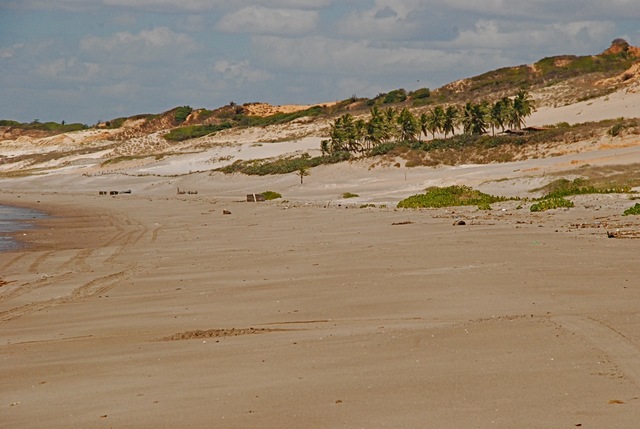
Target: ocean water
(13, 219)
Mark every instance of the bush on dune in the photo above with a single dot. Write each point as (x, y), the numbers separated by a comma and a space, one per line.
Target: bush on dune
(450, 196)
(635, 210)
(551, 203)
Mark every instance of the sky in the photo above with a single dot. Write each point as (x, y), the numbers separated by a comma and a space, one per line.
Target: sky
(93, 60)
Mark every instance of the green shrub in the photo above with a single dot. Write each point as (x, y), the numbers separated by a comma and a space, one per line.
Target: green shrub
(448, 197)
(564, 188)
(635, 210)
(349, 195)
(283, 165)
(395, 96)
(278, 118)
(421, 93)
(484, 206)
(194, 131)
(46, 126)
(382, 149)
(271, 195)
(182, 113)
(616, 129)
(551, 203)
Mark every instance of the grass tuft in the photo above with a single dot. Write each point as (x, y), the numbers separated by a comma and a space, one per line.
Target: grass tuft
(635, 210)
(450, 196)
(564, 188)
(271, 195)
(551, 203)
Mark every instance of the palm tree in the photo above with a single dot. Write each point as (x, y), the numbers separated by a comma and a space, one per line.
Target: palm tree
(338, 135)
(435, 120)
(359, 135)
(497, 116)
(474, 119)
(302, 172)
(408, 125)
(501, 116)
(523, 106)
(346, 134)
(450, 120)
(325, 147)
(376, 132)
(423, 122)
(391, 123)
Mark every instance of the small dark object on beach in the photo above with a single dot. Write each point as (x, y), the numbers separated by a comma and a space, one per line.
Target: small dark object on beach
(406, 222)
(459, 223)
(226, 212)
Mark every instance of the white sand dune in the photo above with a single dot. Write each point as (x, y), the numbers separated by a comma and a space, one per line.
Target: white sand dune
(153, 309)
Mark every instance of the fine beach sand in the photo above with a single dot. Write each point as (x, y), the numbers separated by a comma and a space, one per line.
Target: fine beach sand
(318, 317)
(157, 310)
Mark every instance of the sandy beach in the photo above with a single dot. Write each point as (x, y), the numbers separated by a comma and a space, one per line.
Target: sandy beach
(154, 309)
(157, 310)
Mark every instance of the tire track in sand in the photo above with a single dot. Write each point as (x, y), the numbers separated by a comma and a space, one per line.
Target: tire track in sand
(93, 287)
(13, 261)
(33, 268)
(622, 350)
(78, 260)
(127, 233)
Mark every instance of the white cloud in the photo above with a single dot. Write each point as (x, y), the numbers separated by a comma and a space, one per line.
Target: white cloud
(160, 5)
(123, 19)
(413, 19)
(529, 9)
(260, 20)
(10, 51)
(68, 69)
(157, 43)
(571, 36)
(377, 23)
(240, 71)
(349, 57)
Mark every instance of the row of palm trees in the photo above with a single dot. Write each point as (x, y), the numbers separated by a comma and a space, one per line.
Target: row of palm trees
(390, 125)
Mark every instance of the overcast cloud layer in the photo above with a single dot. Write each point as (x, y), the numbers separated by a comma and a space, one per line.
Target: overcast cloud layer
(91, 60)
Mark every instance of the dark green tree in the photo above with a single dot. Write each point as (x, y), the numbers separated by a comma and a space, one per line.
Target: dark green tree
(523, 106)
(408, 125)
(423, 121)
(474, 119)
(435, 120)
(450, 121)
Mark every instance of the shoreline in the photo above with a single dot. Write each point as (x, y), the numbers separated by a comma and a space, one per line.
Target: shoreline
(286, 313)
(17, 220)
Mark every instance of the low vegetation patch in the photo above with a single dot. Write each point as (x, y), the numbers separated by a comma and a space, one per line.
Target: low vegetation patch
(194, 131)
(551, 203)
(349, 195)
(564, 188)
(126, 158)
(280, 118)
(53, 127)
(450, 196)
(607, 176)
(635, 210)
(271, 195)
(283, 165)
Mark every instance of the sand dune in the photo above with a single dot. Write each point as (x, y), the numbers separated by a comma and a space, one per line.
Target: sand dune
(154, 309)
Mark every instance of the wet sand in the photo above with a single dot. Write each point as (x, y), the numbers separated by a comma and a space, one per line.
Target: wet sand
(151, 310)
